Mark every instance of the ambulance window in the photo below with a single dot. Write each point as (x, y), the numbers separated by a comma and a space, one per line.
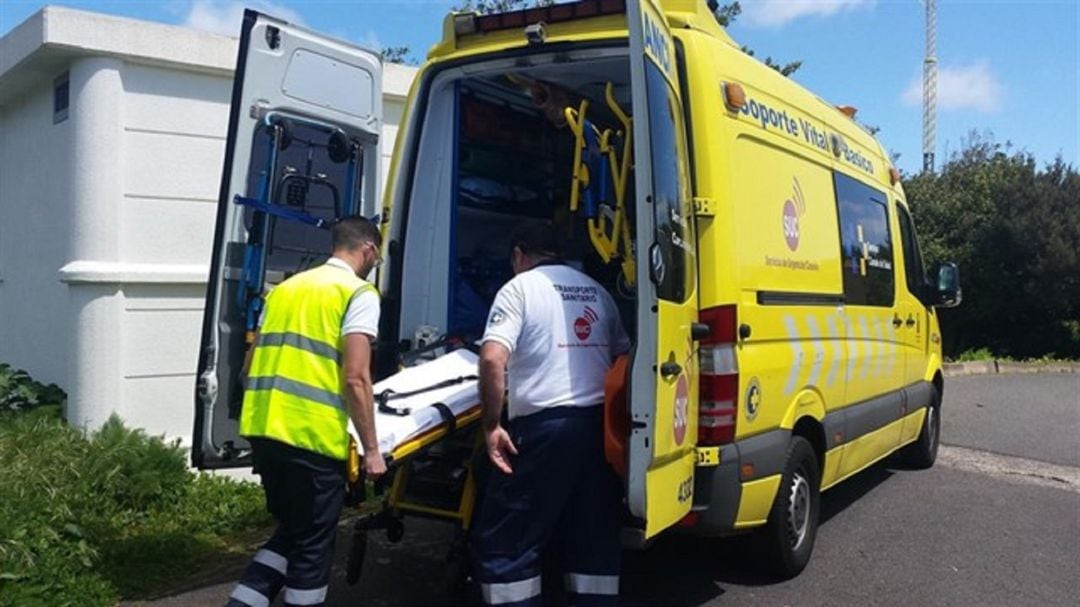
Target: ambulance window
(865, 244)
(671, 195)
(913, 263)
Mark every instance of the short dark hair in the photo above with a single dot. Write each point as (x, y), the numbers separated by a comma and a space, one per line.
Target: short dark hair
(536, 240)
(348, 233)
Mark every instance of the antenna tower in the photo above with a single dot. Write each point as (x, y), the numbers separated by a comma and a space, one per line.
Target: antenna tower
(929, 127)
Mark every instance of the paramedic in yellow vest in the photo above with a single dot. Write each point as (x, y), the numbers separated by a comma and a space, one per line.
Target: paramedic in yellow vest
(554, 331)
(308, 374)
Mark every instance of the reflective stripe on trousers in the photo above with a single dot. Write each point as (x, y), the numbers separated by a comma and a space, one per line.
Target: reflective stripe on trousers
(583, 583)
(314, 596)
(249, 596)
(511, 592)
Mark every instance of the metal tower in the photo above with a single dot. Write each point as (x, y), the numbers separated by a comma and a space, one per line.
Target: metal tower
(930, 87)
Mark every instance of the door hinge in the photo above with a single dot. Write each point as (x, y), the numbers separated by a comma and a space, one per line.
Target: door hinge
(704, 207)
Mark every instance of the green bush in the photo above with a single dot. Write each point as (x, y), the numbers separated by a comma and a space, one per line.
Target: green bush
(975, 355)
(90, 520)
(1014, 229)
(18, 392)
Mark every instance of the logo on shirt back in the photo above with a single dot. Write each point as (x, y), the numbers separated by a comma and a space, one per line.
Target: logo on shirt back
(583, 324)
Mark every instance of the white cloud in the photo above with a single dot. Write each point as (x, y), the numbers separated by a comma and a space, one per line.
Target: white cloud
(224, 17)
(777, 13)
(371, 40)
(973, 87)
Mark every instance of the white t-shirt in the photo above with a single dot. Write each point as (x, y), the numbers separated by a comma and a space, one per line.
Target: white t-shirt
(362, 315)
(563, 331)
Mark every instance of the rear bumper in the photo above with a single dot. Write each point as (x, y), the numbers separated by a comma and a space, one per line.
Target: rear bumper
(718, 490)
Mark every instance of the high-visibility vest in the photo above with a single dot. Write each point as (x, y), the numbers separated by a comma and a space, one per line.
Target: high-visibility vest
(294, 386)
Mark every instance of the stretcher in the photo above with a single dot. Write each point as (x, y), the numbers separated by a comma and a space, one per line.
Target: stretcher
(426, 424)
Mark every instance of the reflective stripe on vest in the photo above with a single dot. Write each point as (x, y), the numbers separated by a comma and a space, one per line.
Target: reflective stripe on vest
(293, 389)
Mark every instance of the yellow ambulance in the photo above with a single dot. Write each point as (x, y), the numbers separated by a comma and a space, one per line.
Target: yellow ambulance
(755, 237)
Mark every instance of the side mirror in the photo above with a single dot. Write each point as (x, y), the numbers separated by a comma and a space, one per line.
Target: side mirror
(948, 293)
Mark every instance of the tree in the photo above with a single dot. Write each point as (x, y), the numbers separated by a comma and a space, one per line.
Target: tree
(1014, 229)
(499, 6)
(398, 54)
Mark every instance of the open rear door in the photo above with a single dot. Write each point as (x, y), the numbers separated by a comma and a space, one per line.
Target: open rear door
(302, 150)
(664, 384)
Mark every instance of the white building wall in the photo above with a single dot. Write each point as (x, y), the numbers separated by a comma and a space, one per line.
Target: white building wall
(107, 221)
(35, 230)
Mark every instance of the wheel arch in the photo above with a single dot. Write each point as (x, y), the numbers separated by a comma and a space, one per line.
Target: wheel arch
(811, 429)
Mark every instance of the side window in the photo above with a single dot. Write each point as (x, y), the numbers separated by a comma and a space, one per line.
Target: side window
(913, 263)
(866, 248)
(672, 204)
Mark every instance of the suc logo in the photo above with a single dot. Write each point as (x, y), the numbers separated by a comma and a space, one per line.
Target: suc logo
(794, 208)
(583, 324)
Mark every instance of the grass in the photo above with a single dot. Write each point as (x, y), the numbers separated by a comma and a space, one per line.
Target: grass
(90, 520)
(985, 354)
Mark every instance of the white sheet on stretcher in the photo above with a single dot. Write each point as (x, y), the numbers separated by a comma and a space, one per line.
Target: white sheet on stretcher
(393, 430)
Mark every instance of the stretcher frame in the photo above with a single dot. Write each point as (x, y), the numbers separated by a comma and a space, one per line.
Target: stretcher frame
(395, 505)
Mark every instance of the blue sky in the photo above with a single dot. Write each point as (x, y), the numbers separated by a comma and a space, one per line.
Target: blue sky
(1009, 68)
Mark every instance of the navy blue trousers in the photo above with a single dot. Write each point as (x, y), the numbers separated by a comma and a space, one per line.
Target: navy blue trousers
(305, 493)
(562, 496)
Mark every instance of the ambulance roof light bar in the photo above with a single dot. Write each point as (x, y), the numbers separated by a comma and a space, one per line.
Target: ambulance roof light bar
(472, 23)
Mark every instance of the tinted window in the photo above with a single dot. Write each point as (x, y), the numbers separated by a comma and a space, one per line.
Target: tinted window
(670, 195)
(913, 263)
(866, 245)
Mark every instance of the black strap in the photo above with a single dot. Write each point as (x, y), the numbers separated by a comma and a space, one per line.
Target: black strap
(384, 397)
(447, 415)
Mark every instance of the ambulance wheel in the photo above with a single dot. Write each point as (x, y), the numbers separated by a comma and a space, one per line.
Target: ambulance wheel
(922, 453)
(357, 551)
(788, 536)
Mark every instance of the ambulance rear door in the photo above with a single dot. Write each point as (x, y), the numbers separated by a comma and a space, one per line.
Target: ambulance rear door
(664, 378)
(302, 150)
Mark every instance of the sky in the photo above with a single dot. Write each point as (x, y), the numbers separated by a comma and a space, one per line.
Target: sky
(1007, 69)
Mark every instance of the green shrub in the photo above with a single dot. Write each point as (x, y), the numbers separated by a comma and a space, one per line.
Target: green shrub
(975, 354)
(19, 392)
(89, 520)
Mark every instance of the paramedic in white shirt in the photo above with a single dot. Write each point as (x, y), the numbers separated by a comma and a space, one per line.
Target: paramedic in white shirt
(555, 332)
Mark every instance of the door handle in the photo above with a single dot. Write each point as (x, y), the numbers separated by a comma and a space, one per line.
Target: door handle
(670, 369)
(910, 321)
(896, 322)
(699, 331)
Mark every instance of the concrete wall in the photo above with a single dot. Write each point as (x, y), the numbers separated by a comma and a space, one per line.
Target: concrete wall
(36, 164)
(106, 227)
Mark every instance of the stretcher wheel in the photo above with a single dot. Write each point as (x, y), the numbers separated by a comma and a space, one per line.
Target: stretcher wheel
(357, 551)
(459, 582)
(395, 530)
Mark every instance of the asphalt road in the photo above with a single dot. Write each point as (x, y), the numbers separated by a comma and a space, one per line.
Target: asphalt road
(980, 528)
(1032, 416)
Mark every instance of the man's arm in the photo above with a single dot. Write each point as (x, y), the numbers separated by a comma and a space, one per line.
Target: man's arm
(493, 357)
(360, 398)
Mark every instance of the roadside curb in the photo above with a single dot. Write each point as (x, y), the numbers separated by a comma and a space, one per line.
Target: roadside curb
(993, 367)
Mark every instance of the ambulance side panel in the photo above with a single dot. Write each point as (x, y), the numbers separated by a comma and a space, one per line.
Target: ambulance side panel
(783, 176)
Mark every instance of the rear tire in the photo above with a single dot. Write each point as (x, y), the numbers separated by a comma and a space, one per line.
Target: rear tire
(788, 536)
(922, 453)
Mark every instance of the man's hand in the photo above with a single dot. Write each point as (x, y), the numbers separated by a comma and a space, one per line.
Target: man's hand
(374, 465)
(499, 448)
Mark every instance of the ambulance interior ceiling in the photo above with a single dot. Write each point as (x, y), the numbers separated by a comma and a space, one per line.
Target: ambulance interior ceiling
(490, 158)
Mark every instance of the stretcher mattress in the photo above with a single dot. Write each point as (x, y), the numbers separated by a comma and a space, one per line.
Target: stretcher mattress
(394, 430)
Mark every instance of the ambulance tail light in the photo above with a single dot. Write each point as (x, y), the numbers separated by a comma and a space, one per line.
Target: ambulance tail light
(717, 409)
